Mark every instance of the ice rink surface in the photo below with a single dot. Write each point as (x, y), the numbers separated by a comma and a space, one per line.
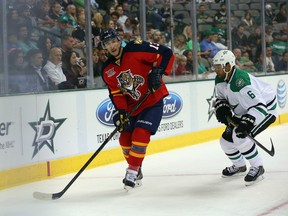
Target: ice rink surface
(181, 182)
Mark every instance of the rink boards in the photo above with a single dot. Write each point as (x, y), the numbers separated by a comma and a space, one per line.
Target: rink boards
(47, 135)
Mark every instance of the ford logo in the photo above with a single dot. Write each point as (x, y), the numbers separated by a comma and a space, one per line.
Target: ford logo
(281, 94)
(172, 105)
(104, 112)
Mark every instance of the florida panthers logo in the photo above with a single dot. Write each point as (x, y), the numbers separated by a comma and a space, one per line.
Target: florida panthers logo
(128, 83)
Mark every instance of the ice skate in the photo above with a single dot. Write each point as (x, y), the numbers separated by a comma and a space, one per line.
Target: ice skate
(138, 181)
(254, 175)
(233, 171)
(139, 178)
(130, 179)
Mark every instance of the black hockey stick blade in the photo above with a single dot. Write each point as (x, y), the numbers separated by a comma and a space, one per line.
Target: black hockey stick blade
(54, 196)
(271, 152)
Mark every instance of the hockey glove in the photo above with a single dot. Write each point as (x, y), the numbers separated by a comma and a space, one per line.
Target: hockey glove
(154, 78)
(120, 120)
(223, 111)
(245, 126)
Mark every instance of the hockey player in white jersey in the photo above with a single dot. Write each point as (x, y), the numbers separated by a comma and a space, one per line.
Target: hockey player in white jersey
(251, 104)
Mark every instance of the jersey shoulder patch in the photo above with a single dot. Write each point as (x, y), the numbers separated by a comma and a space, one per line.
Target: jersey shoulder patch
(239, 80)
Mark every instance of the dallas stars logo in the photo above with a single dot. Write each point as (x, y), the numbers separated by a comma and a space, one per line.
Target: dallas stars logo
(45, 130)
(211, 102)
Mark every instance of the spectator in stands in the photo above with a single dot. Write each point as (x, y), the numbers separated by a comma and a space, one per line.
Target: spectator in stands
(181, 66)
(284, 32)
(12, 18)
(221, 31)
(189, 63)
(36, 78)
(164, 11)
(207, 47)
(25, 17)
(153, 16)
(187, 32)
(126, 8)
(180, 44)
(189, 36)
(15, 61)
(12, 39)
(79, 34)
(248, 21)
(243, 62)
(122, 18)
(74, 68)
(70, 15)
(56, 11)
(203, 17)
(221, 14)
(24, 39)
(270, 60)
(67, 44)
(81, 4)
(269, 15)
(41, 13)
(282, 64)
(97, 25)
(215, 41)
(128, 28)
(54, 70)
(255, 42)
(16, 75)
(97, 74)
(65, 3)
(281, 16)
(268, 34)
(240, 40)
(102, 58)
(59, 30)
(109, 25)
(259, 62)
(44, 45)
(155, 36)
(114, 17)
(278, 46)
(108, 13)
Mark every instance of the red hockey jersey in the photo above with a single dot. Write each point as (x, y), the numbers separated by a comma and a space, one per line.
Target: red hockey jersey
(127, 78)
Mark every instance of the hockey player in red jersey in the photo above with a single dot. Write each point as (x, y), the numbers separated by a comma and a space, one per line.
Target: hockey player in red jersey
(130, 72)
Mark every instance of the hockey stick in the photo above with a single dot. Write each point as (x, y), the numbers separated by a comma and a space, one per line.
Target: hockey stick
(271, 152)
(54, 196)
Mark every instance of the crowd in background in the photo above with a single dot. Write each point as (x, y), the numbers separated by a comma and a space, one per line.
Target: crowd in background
(47, 47)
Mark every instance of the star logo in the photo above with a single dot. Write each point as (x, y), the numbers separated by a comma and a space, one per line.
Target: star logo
(211, 102)
(45, 130)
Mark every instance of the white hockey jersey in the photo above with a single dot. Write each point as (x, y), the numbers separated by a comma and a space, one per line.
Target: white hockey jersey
(247, 94)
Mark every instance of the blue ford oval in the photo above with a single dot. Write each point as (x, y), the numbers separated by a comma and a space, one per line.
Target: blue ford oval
(172, 105)
(104, 112)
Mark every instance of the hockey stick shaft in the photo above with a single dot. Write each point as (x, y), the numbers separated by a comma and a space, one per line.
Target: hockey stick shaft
(45, 196)
(270, 152)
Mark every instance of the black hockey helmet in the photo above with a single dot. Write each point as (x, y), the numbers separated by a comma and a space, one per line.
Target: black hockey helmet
(109, 34)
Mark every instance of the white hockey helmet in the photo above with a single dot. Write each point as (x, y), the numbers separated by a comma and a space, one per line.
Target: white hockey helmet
(224, 57)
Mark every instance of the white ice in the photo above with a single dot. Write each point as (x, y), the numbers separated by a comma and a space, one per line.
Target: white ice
(181, 182)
